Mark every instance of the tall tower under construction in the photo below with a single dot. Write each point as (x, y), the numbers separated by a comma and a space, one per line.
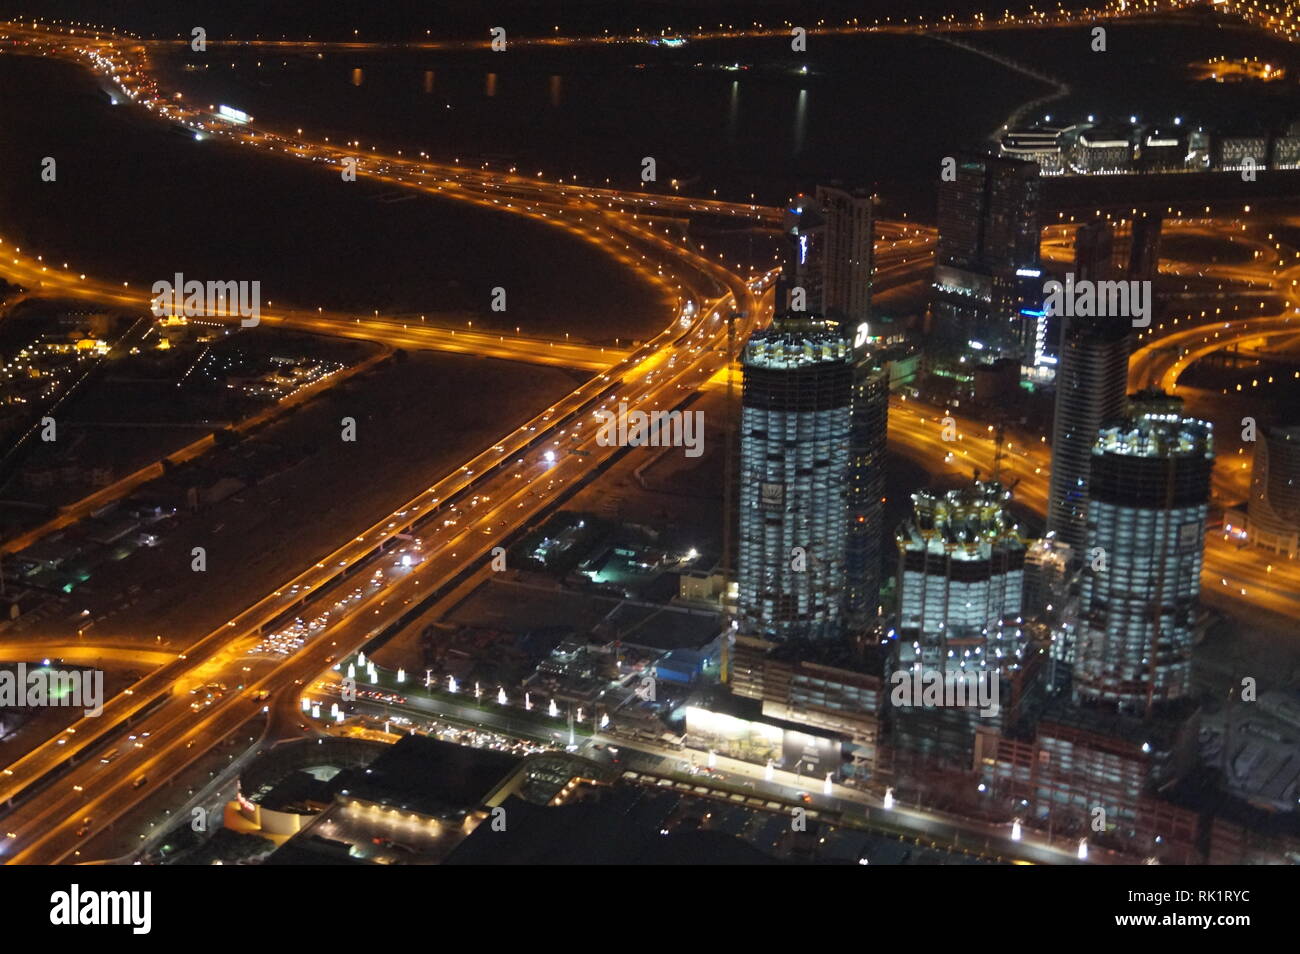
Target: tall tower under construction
(795, 436)
(1149, 500)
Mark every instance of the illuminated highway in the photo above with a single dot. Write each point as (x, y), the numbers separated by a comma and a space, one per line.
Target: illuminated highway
(523, 474)
(511, 486)
(911, 24)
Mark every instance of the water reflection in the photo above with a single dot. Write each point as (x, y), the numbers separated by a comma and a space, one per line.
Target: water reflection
(557, 86)
(428, 81)
(358, 76)
(490, 85)
(800, 121)
(733, 111)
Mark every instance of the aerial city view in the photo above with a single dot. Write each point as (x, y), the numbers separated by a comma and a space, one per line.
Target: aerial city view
(652, 433)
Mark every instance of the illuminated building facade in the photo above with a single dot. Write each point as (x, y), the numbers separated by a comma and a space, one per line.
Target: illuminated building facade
(795, 436)
(847, 255)
(1102, 150)
(961, 581)
(1149, 498)
(987, 272)
(1162, 149)
(961, 591)
(829, 686)
(1040, 143)
(801, 262)
(1238, 152)
(827, 262)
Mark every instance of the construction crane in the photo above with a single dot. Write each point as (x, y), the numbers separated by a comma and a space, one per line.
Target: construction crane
(999, 435)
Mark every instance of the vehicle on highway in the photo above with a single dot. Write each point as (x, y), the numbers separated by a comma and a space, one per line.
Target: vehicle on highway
(108, 756)
(139, 782)
(85, 827)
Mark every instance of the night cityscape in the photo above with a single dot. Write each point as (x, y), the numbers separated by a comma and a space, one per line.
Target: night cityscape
(663, 433)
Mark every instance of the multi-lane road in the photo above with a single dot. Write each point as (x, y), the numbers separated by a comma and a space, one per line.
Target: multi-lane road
(367, 583)
(351, 594)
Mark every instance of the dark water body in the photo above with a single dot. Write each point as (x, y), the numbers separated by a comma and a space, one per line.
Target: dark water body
(1143, 72)
(134, 200)
(874, 110)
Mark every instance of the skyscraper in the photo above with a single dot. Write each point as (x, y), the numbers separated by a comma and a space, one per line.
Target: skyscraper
(1094, 252)
(866, 508)
(828, 254)
(847, 254)
(1091, 383)
(961, 588)
(1141, 235)
(1149, 498)
(804, 230)
(1275, 491)
(986, 273)
(795, 435)
(1090, 386)
(961, 578)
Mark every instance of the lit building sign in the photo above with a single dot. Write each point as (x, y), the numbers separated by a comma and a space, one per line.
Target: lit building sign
(234, 115)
